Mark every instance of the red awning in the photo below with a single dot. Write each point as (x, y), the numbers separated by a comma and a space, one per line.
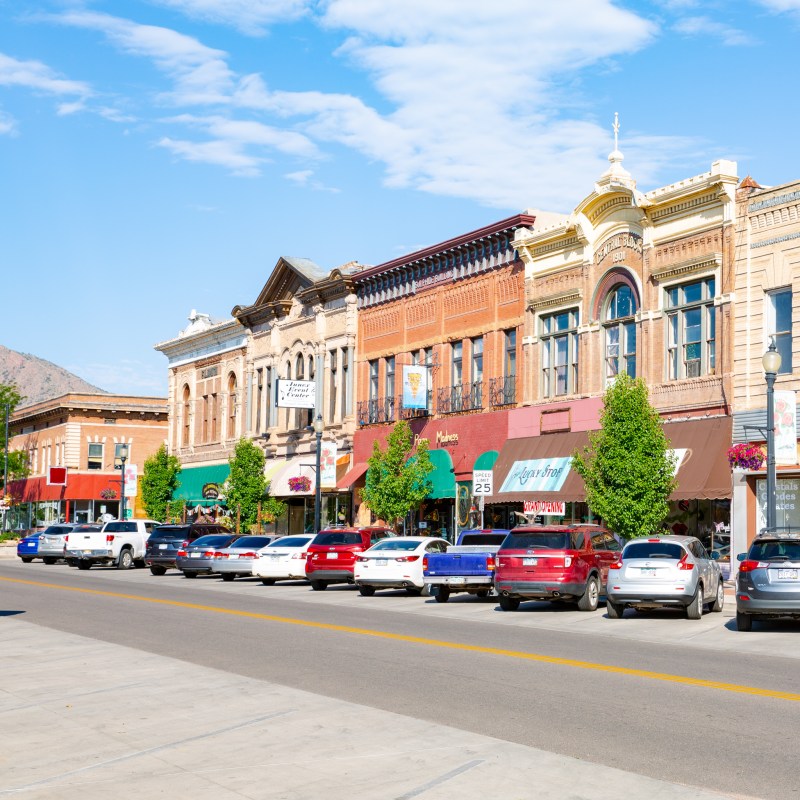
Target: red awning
(79, 487)
(351, 477)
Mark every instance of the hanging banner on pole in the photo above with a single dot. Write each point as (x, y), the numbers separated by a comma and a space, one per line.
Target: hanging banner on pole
(415, 387)
(785, 427)
(327, 465)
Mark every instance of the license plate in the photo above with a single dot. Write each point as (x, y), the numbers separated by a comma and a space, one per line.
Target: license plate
(275, 558)
(332, 555)
(530, 562)
(233, 555)
(162, 547)
(195, 555)
(458, 580)
(787, 574)
(381, 562)
(87, 552)
(648, 572)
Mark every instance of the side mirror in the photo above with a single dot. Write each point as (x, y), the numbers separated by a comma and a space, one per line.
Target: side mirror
(741, 556)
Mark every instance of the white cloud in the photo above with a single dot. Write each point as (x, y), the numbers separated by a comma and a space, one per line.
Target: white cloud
(8, 125)
(305, 178)
(226, 154)
(781, 5)
(248, 16)
(38, 76)
(705, 26)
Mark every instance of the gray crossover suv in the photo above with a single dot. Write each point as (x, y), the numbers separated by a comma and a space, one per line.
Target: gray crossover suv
(768, 582)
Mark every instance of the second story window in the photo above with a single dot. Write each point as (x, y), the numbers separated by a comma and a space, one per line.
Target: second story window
(477, 359)
(458, 363)
(510, 359)
(620, 333)
(95, 460)
(559, 336)
(390, 377)
(779, 325)
(232, 404)
(187, 414)
(691, 333)
(373, 380)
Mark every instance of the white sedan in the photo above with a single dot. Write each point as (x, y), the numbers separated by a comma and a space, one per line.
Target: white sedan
(282, 560)
(395, 564)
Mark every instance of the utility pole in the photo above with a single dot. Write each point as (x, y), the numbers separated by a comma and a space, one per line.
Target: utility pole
(5, 470)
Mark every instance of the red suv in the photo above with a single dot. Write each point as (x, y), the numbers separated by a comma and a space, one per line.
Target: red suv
(555, 562)
(332, 555)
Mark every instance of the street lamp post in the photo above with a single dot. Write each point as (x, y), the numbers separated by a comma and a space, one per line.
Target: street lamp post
(771, 361)
(123, 457)
(319, 425)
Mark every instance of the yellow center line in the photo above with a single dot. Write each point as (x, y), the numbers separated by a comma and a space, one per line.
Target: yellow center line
(421, 640)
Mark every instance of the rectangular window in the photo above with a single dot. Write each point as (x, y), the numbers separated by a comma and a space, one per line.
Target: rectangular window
(510, 360)
(333, 384)
(477, 360)
(373, 380)
(559, 336)
(691, 330)
(779, 325)
(95, 456)
(458, 363)
(390, 377)
(214, 418)
(259, 395)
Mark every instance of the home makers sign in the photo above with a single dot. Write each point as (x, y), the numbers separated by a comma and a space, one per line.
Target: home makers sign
(618, 247)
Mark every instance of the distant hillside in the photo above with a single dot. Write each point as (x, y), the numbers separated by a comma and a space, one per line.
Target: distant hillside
(37, 379)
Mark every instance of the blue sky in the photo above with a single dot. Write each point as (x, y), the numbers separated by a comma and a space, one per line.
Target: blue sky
(159, 156)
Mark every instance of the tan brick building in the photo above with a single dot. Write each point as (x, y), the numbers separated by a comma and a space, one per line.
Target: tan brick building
(82, 432)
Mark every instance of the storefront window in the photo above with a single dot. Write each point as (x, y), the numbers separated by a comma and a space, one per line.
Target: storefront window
(787, 503)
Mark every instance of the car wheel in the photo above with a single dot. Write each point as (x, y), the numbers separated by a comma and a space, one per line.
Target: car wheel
(615, 610)
(509, 603)
(49, 560)
(156, 570)
(189, 574)
(319, 586)
(744, 622)
(125, 560)
(366, 591)
(591, 596)
(443, 594)
(719, 600)
(268, 581)
(71, 562)
(228, 576)
(84, 564)
(695, 609)
(26, 560)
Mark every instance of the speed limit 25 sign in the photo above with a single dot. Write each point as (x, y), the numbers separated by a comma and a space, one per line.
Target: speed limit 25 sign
(482, 482)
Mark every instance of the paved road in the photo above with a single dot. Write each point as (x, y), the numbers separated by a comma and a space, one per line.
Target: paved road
(654, 695)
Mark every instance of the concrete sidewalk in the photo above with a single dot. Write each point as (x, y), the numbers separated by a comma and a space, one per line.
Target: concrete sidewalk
(89, 720)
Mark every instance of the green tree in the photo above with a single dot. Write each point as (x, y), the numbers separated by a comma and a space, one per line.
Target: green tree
(159, 481)
(628, 468)
(397, 480)
(10, 398)
(246, 487)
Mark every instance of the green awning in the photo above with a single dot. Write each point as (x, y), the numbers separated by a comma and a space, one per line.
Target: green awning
(486, 460)
(202, 486)
(443, 476)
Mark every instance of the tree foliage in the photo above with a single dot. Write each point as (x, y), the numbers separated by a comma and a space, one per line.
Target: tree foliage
(10, 398)
(159, 481)
(397, 481)
(628, 468)
(246, 486)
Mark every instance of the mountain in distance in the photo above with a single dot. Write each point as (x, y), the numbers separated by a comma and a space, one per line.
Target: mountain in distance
(37, 380)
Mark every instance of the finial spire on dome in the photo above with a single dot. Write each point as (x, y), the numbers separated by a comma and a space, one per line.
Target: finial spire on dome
(616, 130)
(616, 174)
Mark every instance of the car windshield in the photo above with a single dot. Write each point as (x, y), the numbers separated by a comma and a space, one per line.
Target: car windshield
(57, 529)
(538, 540)
(339, 537)
(86, 527)
(120, 527)
(212, 541)
(291, 541)
(396, 544)
(771, 550)
(252, 542)
(482, 538)
(169, 533)
(653, 550)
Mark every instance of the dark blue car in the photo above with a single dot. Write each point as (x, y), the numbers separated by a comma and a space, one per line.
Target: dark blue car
(28, 548)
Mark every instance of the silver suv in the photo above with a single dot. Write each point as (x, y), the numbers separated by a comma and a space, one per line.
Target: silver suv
(768, 582)
(656, 571)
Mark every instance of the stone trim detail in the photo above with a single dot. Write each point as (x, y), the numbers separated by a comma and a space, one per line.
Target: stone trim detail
(698, 264)
(562, 298)
(687, 205)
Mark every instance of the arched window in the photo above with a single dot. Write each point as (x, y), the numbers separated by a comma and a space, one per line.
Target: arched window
(232, 403)
(620, 332)
(186, 416)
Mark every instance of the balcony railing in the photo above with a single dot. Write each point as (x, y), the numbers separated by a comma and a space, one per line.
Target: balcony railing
(460, 398)
(503, 391)
(376, 411)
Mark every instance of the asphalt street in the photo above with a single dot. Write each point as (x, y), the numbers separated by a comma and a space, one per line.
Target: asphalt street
(652, 697)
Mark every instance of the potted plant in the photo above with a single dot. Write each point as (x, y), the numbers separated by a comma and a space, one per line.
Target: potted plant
(746, 456)
(300, 484)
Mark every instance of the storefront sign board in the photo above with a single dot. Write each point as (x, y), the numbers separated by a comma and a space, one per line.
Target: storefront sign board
(537, 475)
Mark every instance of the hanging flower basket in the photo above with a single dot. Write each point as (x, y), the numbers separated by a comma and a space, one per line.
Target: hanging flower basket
(746, 456)
(301, 484)
(108, 494)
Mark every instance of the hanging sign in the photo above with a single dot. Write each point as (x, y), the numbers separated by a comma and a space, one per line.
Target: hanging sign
(327, 461)
(296, 394)
(785, 405)
(551, 507)
(415, 387)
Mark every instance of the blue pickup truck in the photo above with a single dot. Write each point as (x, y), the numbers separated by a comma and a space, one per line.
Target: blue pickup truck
(468, 566)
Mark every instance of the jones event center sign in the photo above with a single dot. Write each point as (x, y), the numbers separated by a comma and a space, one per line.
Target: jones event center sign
(537, 475)
(296, 394)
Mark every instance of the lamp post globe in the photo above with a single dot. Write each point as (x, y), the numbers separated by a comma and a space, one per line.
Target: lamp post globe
(771, 361)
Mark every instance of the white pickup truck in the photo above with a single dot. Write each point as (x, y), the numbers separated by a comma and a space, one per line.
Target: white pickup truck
(120, 542)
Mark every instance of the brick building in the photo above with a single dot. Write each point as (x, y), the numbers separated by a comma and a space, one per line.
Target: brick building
(82, 432)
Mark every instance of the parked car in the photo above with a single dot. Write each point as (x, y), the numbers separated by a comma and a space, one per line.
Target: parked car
(660, 571)
(239, 556)
(119, 542)
(47, 544)
(198, 556)
(283, 559)
(555, 562)
(332, 555)
(468, 566)
(768, 581)
(166, 540)
(396, 563)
